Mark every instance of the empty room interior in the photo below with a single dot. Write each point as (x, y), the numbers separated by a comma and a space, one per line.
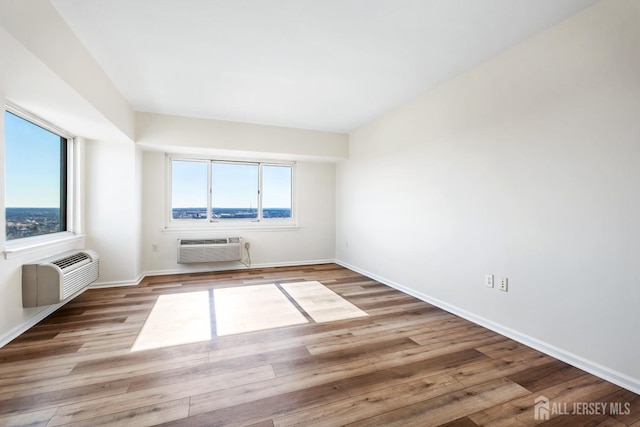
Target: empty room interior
(309, 212)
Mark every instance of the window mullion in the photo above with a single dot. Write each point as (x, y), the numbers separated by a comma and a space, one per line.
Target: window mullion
(209, 193)
(64, 144)
(259, 191)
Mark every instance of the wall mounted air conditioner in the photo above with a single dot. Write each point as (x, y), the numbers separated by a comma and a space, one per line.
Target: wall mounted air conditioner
(53, 280)
(209, 250)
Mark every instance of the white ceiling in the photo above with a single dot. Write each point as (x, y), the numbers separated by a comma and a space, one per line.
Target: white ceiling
(315, 64)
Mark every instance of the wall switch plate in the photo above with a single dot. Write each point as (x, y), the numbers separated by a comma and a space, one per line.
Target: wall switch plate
(503, 285)
(488, 280)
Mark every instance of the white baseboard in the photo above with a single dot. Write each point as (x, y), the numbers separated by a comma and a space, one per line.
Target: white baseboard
(293, 263)
(611, 375)
(117, 283)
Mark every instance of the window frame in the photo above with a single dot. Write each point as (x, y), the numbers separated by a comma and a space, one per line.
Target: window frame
(68, 166)
(233, 223)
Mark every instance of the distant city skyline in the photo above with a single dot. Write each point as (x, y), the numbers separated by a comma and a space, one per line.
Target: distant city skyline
(196, 213)
(27, 222)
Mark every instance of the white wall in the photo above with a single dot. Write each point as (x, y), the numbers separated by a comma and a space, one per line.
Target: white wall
(138, 206)
(113, 209)
(527, 167)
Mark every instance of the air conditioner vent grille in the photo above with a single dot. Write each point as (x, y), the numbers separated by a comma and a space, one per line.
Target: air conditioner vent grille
(209, 250)
(71, 260)
(204, 241)
(59, 277)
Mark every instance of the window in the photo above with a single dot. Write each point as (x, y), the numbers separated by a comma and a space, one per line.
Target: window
(234, 190)
(35, 177)
(190, 188)
(276, 191)
(219, 191)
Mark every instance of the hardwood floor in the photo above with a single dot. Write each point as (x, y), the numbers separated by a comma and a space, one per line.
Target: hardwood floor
(406, 363)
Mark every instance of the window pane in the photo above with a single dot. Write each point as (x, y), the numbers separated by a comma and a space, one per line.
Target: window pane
(234, 190)
(188, 189)
(276, 191)
(35, 186)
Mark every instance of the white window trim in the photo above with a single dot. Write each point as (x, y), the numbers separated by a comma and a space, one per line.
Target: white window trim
(28, 245)
(30, 117)
(195, 225)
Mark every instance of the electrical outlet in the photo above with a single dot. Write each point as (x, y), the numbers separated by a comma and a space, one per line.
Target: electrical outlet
(488, 280)
(504, 284)
(247, 245)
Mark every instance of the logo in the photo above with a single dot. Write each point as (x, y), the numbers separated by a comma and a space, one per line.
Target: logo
(541, 408)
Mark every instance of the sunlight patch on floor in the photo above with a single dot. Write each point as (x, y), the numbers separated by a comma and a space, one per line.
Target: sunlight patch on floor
(176, 319)
(253, 308)
(321, 303)
(190, 317)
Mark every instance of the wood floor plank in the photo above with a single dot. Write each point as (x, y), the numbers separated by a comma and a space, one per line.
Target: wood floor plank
(350, 341)
(447, 408)
(412, 308)
(12, 374)
(38, 418)
(417, 323)
(576, 420)
(364, 406)
(142, 416)
(627, 408)
(502, 348)
(461, 422)
(405, 363)
(234, 396)
(131, 373)
(339, 356)
(543, 376)
(492, 369)
(46, 350)
(62, 396)
(82, 411)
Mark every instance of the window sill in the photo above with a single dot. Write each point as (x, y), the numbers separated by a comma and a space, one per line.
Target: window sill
(29, 245)
(232, 226)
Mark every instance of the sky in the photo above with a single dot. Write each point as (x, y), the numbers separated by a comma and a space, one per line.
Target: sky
(32, 171)
(276, 186)
(234, 185)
